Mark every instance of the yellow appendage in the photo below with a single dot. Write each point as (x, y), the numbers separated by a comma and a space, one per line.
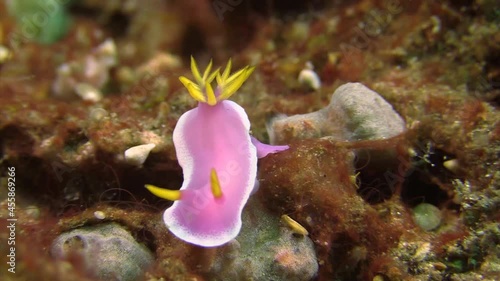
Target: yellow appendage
(294, 225)
(173, 195)
(164, 193)
(227, 85)
(215, 184)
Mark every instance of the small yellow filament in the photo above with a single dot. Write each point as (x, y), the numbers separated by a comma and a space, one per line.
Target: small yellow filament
(354, 179)
(227, 70)
(207, 71)
(193, 89)
(294, 225)
(211, 100)
(233, 83)
(215, 184)
(195, 71)
(164, 193)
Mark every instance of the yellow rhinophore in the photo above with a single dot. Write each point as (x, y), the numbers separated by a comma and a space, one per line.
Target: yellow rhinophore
(296, 227)
(164, 193)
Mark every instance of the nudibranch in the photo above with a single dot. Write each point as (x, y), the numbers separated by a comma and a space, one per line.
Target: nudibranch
(218, 157)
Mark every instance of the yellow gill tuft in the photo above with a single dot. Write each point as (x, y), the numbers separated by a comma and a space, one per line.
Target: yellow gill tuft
(227, 85)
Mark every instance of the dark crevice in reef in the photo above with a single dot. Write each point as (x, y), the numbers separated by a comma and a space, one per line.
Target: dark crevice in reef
(16, 140)
(115, 23)
(193, 43)
(348, 256)
(490, 85)
(418, 188)
(100, 180)
(378, 174)
(427, 179)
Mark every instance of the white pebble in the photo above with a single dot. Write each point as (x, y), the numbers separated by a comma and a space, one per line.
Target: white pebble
(452, 165)
(107, 52)
(137, 155)
(99, 215)
(5, 54)
(87, 92)
(309, 78)
(98, 114)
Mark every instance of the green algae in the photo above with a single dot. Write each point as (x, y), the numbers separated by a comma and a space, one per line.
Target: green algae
(42, 21)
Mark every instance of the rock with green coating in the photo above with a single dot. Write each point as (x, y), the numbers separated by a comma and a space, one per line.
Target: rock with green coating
(266, 249)
(39, 20)
(355, 113)
(427, 216)
(365, 115)
(108, 251)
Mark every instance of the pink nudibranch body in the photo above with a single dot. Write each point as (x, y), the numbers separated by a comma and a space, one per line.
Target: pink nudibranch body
(219, 161)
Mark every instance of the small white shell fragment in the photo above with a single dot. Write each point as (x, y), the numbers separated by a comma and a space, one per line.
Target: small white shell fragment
(137, 155)
(309, 78)
(107, 51)
(452, 165)
(99, 215)
(97, 114)
(87, 92)
(64, 70)
(5, 54)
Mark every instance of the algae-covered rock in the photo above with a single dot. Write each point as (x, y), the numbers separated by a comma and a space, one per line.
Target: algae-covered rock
(365, 115)
(427, 216)
(42, 21)
(265, 249)
(355, 113)
(108, 251)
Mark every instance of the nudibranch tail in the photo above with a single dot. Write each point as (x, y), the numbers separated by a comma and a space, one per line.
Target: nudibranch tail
(264, 149)
(164, 193)
(215, 184)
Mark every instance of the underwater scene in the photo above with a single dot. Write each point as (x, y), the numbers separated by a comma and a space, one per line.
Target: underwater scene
(259, 140)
